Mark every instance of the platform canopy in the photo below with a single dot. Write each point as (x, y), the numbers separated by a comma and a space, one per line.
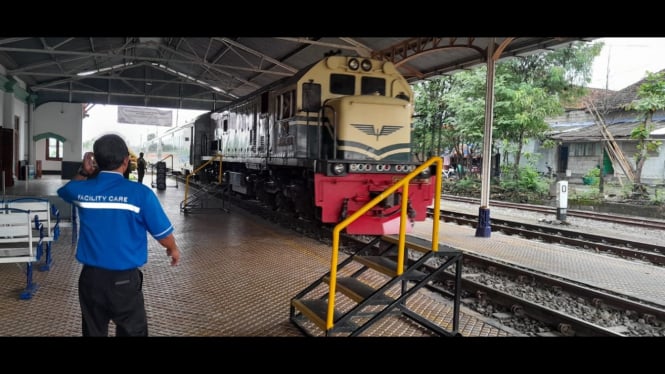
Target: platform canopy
(206, 73)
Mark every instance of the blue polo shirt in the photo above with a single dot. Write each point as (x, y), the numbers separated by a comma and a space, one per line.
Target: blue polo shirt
(115, 215)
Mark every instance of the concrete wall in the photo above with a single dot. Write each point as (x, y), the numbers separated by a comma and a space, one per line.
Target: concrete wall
(62, 119)
(14, 110)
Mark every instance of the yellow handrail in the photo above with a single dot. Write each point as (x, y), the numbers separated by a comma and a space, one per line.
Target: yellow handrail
(404, 182)
(219, 175)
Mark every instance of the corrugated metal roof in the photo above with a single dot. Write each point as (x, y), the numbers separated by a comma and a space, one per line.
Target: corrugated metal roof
(206, 73)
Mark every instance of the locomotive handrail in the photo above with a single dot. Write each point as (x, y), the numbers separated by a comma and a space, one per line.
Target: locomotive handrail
(219, 175)
(404, 183)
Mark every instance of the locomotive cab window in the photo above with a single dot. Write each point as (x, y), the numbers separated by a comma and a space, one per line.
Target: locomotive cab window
(371, 86)
(342, 84)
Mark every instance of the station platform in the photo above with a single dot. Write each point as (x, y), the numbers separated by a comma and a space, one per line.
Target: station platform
(239, 272)
(236, 278)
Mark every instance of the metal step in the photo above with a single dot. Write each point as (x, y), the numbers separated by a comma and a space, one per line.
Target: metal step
(358, 291)
(316, 310)
(388, 267)
(418, 244)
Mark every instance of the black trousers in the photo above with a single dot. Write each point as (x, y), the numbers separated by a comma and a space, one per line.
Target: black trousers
(110, 295)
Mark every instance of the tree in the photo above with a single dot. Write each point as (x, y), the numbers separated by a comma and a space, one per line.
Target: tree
(466, 102)
(431, 124)
(650, 98)
(527, 90)
(537, 87)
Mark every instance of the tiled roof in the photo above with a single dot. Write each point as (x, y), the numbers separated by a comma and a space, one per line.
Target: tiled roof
(618, 100)
(612, 104)
(620, 131)
(596, 94)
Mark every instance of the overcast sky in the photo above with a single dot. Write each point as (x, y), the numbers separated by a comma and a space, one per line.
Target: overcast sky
(629, 60)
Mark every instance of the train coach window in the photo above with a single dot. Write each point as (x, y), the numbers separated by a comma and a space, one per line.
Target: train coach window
(342, 84)
(371, 85)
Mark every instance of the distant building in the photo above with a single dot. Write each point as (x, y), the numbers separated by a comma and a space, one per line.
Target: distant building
(581, 145)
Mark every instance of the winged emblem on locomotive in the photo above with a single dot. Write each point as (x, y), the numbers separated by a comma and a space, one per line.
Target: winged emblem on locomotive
(371, 130)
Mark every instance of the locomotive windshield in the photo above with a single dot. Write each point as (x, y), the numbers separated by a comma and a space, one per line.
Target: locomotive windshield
(342, 84)
(371, 86)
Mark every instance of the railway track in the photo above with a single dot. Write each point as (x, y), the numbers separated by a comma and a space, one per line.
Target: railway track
(625, 248)
(634, 221)
(561, 307)
(566, 308)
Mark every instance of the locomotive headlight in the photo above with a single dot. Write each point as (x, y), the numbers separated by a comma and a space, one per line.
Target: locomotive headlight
(353, 167)
(366, 65)
(338, 169)
(353, 64)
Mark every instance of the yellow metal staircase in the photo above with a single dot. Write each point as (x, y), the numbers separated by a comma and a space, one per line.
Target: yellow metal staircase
(380, 279)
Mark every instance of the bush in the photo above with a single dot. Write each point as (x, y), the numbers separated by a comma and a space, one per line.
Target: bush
(592, 177)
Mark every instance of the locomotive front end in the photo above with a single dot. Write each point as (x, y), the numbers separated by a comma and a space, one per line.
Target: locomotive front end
(371, 153)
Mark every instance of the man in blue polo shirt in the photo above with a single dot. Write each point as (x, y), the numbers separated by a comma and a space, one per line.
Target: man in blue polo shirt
(115, 216)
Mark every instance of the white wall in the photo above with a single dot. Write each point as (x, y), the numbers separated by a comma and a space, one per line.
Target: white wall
(63, 119)
(10, 108)
(20, 109)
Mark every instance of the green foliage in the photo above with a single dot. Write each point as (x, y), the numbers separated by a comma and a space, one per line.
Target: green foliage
(528, 181)
(564, 72)
(466, 187)
(433, 128)
(627, 190)
(594, 172)
(451, 110)
(650, 98)
(590, 196)
(592, 177)
(651, 94)
(658, 197)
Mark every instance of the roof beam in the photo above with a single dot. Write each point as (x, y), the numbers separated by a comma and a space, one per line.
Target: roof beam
(115, 55)
(355, 46)
(12, 40)
(123, 94)
(216, 68)
(258, 54)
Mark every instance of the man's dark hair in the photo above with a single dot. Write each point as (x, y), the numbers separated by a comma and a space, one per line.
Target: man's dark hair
(140, 154)
(110, 151)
